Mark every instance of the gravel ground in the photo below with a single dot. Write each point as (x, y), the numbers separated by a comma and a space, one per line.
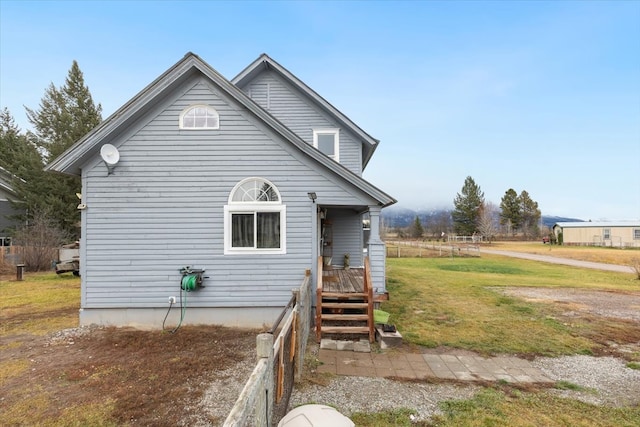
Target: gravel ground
(222, 393)
(364, 394)
(607, 380)
(621, 305)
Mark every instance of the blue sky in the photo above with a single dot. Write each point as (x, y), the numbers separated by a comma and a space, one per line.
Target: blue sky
(536, 96)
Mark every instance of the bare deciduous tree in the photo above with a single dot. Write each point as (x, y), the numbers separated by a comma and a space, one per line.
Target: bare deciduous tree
(488, 221)
(39, 241)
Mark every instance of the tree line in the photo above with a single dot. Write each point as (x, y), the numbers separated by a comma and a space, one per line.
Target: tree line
(64, 115)
(472, 214)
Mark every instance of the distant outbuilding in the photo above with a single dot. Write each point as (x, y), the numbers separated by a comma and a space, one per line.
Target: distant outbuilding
(598, 233)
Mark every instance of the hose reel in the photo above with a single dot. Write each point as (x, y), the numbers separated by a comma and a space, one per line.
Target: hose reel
(191, 278)
(191, 281)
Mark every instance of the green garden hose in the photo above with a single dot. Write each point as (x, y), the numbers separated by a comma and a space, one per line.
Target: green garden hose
(189, 282)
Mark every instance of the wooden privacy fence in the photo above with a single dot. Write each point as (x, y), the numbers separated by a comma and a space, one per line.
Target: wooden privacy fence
(264, 400)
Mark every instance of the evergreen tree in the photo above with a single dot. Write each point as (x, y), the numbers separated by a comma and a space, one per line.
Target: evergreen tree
(467, 208)
(17, 154)
(511, 210)
(416, 229)
(65, 115)
(530, 215)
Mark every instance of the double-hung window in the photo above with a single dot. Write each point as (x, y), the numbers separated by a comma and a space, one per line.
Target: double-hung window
(606, 234)
(328, 142)
(254, 219)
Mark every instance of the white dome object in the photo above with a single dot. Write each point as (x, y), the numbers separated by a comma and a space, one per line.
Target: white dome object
(110, 154)
(315, 416)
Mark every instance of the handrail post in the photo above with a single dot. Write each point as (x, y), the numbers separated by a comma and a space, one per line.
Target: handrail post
(319, 300)
(369, 292)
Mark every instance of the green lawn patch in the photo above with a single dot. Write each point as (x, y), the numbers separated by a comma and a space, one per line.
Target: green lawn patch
(458, 303)
(492, 407)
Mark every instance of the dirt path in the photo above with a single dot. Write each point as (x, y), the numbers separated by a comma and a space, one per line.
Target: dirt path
(564, 261)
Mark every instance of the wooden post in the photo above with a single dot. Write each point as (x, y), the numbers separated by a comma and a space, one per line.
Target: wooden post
(20, 272)
(264, 406)
(319, 301)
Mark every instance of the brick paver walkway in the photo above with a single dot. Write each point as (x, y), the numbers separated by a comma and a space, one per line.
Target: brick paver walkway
(423, 366)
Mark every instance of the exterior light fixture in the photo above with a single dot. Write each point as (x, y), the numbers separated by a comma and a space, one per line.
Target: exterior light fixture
(312, 196)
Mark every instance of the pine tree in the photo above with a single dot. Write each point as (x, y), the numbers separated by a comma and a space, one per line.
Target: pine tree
(467, 208)
(511, 210)
(17, 153)
(530, 215)
(65, 115)
(416, 229)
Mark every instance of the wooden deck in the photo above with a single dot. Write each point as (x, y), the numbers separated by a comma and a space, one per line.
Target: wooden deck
(343, 281)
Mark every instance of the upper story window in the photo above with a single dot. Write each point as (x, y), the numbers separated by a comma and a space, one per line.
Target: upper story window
(254, 219)
(328, 142)
(199, 117)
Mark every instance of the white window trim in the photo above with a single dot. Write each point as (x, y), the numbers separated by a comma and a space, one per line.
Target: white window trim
(191, 107)
(336, 134)
(251, 207)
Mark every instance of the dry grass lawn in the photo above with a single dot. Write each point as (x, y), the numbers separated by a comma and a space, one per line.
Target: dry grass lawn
(103, 377)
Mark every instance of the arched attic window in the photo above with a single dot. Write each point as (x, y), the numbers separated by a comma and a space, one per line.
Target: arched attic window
(199, 117)
(255, 219)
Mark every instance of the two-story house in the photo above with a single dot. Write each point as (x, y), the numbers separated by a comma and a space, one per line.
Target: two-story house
(250, 179)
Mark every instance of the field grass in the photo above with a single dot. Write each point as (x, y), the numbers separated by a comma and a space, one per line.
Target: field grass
(457, 303)
(494, 407)
(627, 256)
(41, 304)
(502, 406)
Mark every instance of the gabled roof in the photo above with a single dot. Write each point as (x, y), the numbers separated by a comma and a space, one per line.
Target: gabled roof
(264, 62)
(71, 161)
(599, 224)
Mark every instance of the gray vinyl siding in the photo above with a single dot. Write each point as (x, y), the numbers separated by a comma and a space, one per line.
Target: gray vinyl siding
(347, 236)
(162, 209)
(295, 111)
(7, 210)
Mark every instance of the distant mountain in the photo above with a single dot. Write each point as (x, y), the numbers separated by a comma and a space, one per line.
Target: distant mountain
(549, 221)
(398, 216)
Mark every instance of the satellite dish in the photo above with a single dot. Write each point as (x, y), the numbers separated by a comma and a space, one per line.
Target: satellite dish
(110, 156)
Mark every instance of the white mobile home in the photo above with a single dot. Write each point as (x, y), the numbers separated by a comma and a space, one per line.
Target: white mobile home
(616, 234)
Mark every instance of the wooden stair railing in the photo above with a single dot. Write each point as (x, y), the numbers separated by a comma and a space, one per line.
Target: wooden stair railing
(368, 289)
(319, 300)
(356, 307)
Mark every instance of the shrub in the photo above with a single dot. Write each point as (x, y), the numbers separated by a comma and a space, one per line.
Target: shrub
(38, 242)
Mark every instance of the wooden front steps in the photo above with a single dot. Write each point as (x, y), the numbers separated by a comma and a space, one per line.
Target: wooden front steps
(344, 302)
